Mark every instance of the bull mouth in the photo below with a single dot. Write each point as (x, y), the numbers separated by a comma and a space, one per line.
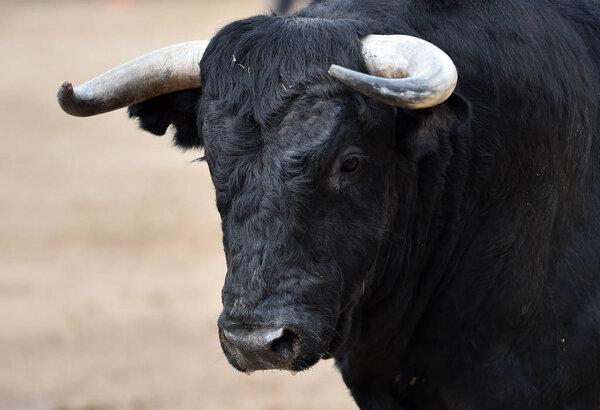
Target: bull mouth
(293, 341)
(269, 348)
(299, 356)
(279, 354)
(286, 348)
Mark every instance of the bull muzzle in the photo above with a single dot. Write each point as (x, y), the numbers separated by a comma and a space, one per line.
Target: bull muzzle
(261, 348)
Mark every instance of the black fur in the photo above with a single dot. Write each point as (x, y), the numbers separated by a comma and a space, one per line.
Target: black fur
(459, 266)
(178, 109)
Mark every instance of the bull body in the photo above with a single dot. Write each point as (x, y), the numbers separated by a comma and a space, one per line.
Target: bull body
(446, 257)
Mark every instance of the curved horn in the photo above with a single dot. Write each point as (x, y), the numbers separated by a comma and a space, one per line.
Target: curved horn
(403, 70)
(163, 71)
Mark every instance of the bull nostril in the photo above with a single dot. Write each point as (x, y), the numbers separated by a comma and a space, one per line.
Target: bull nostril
(284, 345)
(261, 348)
(223, 335)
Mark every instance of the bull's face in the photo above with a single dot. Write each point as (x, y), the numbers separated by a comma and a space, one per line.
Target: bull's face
(308, 172)
(305, 208)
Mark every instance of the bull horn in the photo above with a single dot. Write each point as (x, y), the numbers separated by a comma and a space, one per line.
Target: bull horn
(404, 71)
(166, 70)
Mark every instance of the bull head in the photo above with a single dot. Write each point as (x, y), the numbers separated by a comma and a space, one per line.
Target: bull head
(306, 201)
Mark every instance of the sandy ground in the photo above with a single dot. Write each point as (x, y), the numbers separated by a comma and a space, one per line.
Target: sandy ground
(110, 257)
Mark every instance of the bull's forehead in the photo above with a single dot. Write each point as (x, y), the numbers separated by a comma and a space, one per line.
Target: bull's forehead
(306, 130)
(255, 66)
(264, 177)
(308, 126)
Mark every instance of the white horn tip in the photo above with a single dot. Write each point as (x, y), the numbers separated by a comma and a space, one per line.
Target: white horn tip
(333, 69)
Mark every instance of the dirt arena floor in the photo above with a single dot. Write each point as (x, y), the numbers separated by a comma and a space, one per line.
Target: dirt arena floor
(110, 248)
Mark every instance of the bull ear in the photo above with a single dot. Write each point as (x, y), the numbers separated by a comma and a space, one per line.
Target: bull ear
(422, 130)
(179, 109)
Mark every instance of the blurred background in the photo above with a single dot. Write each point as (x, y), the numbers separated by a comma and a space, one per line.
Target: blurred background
(111, 261)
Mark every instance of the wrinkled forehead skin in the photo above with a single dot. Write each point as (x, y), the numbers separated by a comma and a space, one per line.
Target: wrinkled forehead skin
(238, 149)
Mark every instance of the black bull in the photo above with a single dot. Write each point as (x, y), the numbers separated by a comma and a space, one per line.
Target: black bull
(446, 257)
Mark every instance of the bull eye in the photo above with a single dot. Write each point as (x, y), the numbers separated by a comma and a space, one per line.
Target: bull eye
(350, 164)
